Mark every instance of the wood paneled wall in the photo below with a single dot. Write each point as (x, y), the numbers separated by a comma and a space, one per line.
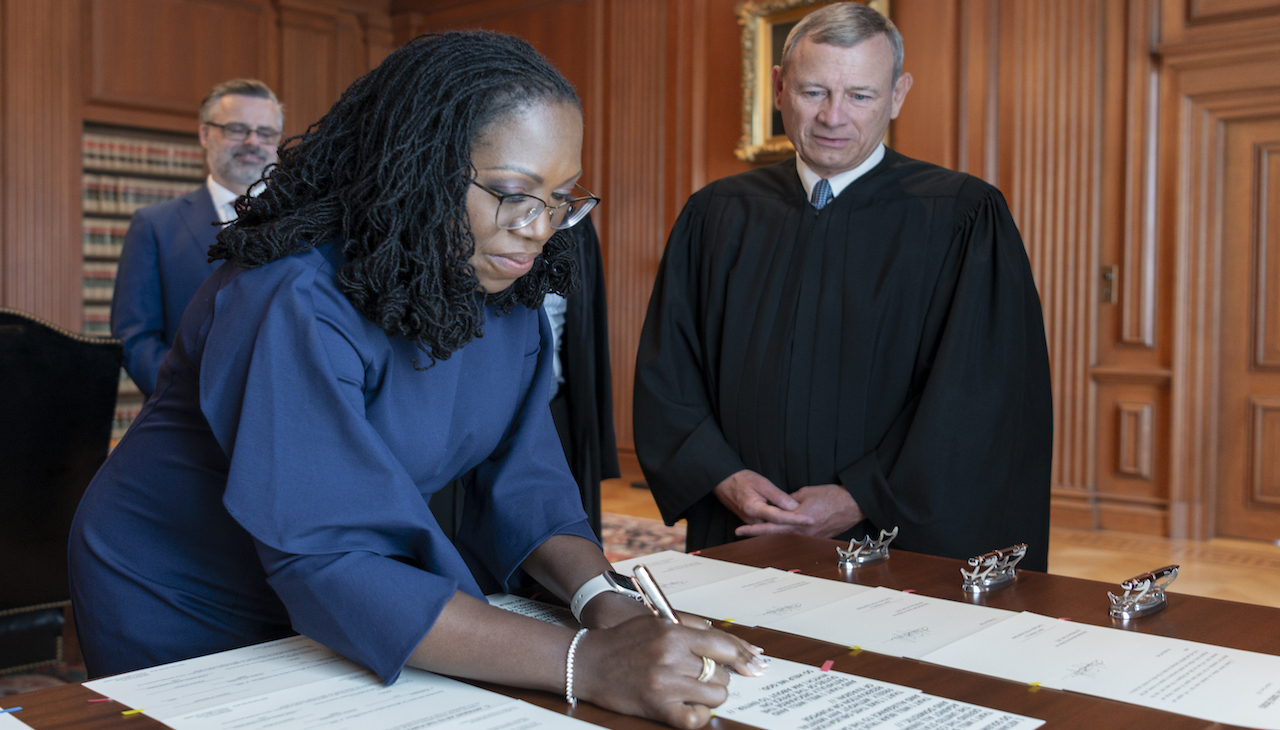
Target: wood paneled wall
(1036, 98)
(142, 63)
(40, 159)
(144, 67)
(1136, 134)
(1218, 126)
(661, 122)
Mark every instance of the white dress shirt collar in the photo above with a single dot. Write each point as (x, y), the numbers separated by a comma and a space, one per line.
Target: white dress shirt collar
(840, 181)
(224, 201)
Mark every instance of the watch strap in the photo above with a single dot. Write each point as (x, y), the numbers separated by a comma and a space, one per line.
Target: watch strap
(592, 588)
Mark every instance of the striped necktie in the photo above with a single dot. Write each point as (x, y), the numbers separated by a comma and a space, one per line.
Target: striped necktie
(821, 194)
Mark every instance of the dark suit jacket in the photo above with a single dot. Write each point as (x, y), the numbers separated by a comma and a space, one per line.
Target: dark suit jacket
(163, 263)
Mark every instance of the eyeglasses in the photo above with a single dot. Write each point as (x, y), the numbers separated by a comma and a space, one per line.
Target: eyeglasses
(517, 210)
(237, 132)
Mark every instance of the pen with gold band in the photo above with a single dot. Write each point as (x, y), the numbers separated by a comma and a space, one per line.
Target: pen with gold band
(652, 595)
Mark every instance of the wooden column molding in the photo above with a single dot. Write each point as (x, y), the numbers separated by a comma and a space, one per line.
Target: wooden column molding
(1137, 280)
(1221, 105)
(40, 159)
(1266, 255)
(144, 65)
(1134, 439)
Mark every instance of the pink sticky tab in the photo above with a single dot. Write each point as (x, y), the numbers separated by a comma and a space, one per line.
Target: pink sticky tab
(104, 699)
(909, 590)
(794, 570)
(826, 666)
(696, 552)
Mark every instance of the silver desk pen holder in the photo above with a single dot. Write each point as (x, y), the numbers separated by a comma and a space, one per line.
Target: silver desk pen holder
(1143, 594)
(866, 551)
(993, 571)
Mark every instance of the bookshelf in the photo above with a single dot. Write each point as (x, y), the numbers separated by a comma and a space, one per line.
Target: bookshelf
(125, 169)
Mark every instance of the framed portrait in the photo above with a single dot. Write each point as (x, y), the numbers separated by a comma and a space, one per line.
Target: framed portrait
(765, 25)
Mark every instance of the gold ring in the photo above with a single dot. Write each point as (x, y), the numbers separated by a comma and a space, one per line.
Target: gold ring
(708, 669)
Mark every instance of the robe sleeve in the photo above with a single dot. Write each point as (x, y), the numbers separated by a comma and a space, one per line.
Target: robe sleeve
(678, 439)
(344, 534)
(964, 468)
(597, 314)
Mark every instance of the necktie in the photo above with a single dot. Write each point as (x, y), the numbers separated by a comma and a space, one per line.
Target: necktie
(821, 194)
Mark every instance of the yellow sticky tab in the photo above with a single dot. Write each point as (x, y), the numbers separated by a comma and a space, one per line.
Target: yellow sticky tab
(855, 650)
(1035, 686)
(133, 712)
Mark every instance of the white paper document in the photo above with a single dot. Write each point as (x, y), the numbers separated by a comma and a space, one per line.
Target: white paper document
(767, 594)
(891, 622)
(296, 684)
(1186, 677)
(557, 615)
(676, 571)
(209, 681)
(792, 696)
(9, 722)
(350, 702)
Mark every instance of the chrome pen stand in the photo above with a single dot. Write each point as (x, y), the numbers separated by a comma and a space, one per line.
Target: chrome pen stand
(992, 571)
(1143, 594)
(866, 551)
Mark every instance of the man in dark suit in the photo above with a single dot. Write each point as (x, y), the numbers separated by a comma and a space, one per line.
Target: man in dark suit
(165, 257)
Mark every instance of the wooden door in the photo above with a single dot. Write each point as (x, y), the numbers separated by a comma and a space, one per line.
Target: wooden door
(1249, 404)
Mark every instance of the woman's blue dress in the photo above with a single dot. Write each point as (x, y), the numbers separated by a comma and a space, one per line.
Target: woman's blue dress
(278, 479)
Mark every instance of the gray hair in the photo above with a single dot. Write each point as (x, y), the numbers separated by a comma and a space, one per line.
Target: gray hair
(845, 24)
(237, 87)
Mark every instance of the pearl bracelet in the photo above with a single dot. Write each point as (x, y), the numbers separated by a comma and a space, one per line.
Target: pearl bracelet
(568, 669)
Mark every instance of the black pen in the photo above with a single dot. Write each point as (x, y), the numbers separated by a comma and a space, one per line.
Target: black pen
(652, 595)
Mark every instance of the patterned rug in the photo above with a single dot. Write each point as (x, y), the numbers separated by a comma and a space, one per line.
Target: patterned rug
(629, 537)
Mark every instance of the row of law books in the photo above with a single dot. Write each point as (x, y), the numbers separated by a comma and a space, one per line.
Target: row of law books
(124, 171)
(125, 195)
(99, 281)
(142, 156)
(103, 238)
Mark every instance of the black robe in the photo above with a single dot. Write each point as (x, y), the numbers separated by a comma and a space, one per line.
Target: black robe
(892, 343)
(585, 422)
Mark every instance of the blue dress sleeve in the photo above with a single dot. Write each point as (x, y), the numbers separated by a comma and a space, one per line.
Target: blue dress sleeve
(343, 530)
(524, 491)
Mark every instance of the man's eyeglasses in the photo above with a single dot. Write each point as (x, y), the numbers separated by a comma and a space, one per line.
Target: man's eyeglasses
(517, 210)
(237, 132)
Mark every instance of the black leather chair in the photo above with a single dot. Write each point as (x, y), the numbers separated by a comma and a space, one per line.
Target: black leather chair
(57, 404)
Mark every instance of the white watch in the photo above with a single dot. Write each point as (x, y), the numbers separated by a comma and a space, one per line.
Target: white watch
(606, 582)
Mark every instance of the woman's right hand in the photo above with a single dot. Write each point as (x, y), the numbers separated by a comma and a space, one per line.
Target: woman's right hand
(649, 667)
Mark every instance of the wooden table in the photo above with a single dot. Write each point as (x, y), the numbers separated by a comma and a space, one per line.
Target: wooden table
(1224, 623)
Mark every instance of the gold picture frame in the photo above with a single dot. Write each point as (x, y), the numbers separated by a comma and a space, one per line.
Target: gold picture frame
(765, 25)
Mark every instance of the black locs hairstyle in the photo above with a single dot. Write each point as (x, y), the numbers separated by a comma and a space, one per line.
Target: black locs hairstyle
(386, 172)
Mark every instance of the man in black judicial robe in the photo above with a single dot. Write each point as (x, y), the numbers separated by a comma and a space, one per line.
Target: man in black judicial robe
(879, 361)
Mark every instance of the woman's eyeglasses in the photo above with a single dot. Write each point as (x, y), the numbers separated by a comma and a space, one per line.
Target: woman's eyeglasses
(517, 210)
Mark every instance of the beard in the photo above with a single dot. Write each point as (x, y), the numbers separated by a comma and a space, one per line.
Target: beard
(242, 164)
